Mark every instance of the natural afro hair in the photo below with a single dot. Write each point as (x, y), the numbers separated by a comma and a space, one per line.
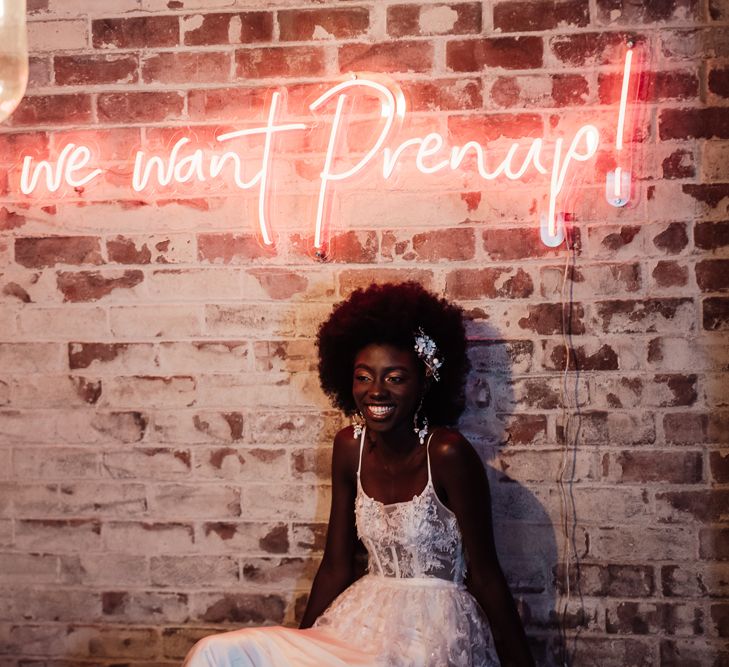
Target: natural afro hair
(391, 314)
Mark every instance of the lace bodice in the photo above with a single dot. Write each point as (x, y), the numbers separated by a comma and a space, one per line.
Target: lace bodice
(415, 538)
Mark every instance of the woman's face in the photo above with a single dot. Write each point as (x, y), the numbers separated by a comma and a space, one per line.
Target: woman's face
(387, 386)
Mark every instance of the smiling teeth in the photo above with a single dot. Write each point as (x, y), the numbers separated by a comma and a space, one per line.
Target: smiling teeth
(380, 410)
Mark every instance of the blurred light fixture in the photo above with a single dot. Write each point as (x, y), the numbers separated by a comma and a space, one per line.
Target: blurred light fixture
(13, 55)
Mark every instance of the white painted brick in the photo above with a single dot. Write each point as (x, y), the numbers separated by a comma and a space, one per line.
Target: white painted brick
(61, 463)
(57, 35)
(159, 321)
(60, 324)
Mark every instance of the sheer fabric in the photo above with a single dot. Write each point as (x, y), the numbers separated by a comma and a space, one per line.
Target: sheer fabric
(412, 609)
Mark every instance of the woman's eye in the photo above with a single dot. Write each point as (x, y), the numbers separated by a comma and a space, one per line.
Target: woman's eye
(362, 378)
(396, 379)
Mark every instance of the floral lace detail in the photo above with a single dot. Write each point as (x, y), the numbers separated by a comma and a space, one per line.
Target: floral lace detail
(416, 538)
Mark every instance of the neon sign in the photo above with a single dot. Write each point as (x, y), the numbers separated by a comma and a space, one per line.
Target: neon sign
(429, 154)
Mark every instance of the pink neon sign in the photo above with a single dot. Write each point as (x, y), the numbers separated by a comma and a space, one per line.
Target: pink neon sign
(429, 154)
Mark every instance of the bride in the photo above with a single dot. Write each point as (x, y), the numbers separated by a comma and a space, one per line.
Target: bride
(413, 491)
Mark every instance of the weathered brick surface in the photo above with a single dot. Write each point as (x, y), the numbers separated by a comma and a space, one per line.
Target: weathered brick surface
(164, 444)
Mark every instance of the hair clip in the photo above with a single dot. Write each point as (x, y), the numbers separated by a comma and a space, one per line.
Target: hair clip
(427, 350)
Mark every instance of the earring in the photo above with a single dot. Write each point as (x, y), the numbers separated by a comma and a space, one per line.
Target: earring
(358, 423)
(422, 433)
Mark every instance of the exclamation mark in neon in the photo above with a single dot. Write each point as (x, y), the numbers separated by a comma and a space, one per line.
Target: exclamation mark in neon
(617, 185)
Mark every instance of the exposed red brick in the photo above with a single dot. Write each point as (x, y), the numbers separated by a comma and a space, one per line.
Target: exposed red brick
(712, 275)
(719, 465)
(679, 164)
(620, 239)
(670, 274)
(569, 89)
(716, 314)
(489, 283)
(663, 85)
(486, 128)
(714, 543)
(226, 103)
(711, 235)
(673, 239)
(671, 467)
(706, 506)
(53, 110)
(401, 56)
(525, 429)
(186, 67)
(649, 618)
(523, 16)
(352, 247)
(88, 391)
(604, 359)
(136, 33)
(276, 541)
(629, 580)
(280, 283)
(124, 250)
(82, 355)
(405, 20)
(34, 143)
(242, 608)
(249, 27)
(720, 618)
(265, 62)
(705, 123)
(139, 107)
(442, 244)
(546, 318)
(95, 70)
(229, 248)
(39, 252)
(710, 194)
(691, 653)
(604, 48)
(353, 279)
(646, 12)
(474, 55)
(93, 285)
(614, 580)
(299, 25)
(638, 316)
(443, 94)
(696, 427)
(719, 81)
(39, 72)
(718, 10)
(113, 601)
(235, 423)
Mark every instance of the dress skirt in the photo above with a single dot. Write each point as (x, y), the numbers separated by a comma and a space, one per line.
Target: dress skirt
(376, 622)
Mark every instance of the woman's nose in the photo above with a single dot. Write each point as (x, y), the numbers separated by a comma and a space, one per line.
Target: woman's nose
(378, 388)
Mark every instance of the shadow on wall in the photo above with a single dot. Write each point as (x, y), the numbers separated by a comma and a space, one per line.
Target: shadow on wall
(523, 531)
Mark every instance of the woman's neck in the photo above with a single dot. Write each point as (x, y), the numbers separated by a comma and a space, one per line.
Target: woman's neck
(398, 443)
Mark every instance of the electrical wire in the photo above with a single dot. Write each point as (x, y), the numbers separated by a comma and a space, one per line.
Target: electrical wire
(568, 507)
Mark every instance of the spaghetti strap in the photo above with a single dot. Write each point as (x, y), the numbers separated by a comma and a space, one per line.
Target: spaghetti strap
(427, 456)
(361, 446)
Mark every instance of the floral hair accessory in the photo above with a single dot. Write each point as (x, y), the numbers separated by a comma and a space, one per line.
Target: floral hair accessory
(427, 350)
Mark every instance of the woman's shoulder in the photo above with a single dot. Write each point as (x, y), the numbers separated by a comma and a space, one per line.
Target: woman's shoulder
(345, 452)
(450, 450)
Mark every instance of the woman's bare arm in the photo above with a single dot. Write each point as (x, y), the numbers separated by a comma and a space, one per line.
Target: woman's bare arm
(336, 570)
(462, 476)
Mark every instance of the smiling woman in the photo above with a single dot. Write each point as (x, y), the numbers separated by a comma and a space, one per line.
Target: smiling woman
(413, 491)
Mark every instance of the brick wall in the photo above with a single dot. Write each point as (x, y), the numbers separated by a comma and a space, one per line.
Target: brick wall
(164, 445)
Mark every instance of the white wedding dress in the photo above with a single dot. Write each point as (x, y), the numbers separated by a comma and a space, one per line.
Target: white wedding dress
(411, 610)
